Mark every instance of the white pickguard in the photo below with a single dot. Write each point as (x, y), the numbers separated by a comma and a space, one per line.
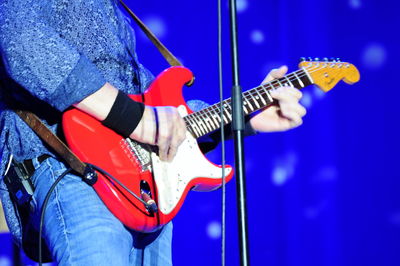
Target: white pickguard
(173, 177)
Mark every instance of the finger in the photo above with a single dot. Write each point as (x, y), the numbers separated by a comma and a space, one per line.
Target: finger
(177, 139)
(163, 147)
(294, 118)
(275, 74)
(301, 110)
(293, 106)
(172, 152)
(286, 93)
(164, 133)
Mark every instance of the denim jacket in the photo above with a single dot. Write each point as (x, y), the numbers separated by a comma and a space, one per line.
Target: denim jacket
(54, 54)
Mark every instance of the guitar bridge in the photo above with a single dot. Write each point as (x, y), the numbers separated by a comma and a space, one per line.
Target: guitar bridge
(137, 152)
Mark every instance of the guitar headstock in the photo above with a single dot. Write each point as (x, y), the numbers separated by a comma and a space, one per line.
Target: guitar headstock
(327, 73)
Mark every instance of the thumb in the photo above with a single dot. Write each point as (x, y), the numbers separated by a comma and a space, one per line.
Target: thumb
(275, 74)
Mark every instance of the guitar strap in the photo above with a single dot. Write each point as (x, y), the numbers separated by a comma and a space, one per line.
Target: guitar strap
(52, 140)
(171, 59)
(56, 143)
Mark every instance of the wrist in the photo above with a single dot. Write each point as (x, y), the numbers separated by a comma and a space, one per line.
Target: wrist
(145, 125)
(125, 115)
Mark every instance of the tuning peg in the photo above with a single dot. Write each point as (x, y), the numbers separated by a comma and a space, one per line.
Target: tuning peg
(302, 59)
(310, 59)
(332, 59)
(325, 59)
(316, 59)
(338, 59)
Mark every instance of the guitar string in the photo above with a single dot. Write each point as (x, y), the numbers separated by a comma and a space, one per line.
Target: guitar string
(203, 127)
(261, 90)
(200, 116)
(250, 93)
(291, 77)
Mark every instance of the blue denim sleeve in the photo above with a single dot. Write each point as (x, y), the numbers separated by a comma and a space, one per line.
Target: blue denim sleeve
(39, 59)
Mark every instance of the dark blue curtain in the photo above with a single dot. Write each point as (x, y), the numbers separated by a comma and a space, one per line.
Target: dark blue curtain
(326, 193)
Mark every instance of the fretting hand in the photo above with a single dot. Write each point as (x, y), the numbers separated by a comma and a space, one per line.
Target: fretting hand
(284, 116)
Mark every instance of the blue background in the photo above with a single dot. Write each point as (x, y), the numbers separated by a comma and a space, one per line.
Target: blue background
(326, 193)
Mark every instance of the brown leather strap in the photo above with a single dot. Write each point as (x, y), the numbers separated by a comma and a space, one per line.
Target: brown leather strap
(52, 140)
(172, 60)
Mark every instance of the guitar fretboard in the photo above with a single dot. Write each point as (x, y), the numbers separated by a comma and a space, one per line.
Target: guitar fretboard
(209, 119)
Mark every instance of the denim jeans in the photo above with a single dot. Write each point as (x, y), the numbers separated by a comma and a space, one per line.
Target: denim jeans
(80, 230)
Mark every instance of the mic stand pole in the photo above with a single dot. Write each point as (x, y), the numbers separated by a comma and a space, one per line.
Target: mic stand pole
(238, 129)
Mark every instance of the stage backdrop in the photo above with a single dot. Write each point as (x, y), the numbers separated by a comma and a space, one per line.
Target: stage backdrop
(326, 193)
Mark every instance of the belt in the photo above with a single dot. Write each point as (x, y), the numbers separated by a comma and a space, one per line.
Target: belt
(28, 164)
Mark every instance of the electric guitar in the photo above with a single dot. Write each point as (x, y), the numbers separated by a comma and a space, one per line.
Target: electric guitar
(138, 167)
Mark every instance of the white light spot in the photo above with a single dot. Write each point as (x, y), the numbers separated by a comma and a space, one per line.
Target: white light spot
(279, 176)
(284, 169)
(156, 25)
(257, 36)
(318, 93)
(4, 261)
(306, 100)
(241, 5)
(214, 230)
(374, 56)
(355, 4)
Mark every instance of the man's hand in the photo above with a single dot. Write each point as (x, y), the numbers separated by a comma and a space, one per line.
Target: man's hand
(284, 116)
(171, 127)
(170, 134)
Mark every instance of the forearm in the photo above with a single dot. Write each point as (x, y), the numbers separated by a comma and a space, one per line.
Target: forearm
(99, 103)
(166, 131)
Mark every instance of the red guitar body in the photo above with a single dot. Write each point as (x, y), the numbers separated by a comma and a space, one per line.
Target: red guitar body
(137, 167)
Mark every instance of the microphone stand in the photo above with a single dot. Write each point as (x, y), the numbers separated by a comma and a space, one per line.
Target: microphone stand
(238, 130)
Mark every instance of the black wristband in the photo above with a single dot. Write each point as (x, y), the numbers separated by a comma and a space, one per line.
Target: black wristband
(124, 116)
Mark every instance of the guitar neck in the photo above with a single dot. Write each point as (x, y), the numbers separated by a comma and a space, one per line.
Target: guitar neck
(209, 119)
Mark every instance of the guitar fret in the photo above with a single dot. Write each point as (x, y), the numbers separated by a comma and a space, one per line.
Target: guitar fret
(214, 114)
(195, 126)
(269, 97)
(267, 89)
(261, 98)
(198, 125)
(249, 104)
(288, 80)
(189, 125)
(209, 119)
(255, 102)
(280, 84)
(203, 120)
(209, 123)
(217, 116)
(244, 108)
(264, 89)
(228, 111)
(203, 127)
(308, 75)
(301, 84)
(229, 119)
